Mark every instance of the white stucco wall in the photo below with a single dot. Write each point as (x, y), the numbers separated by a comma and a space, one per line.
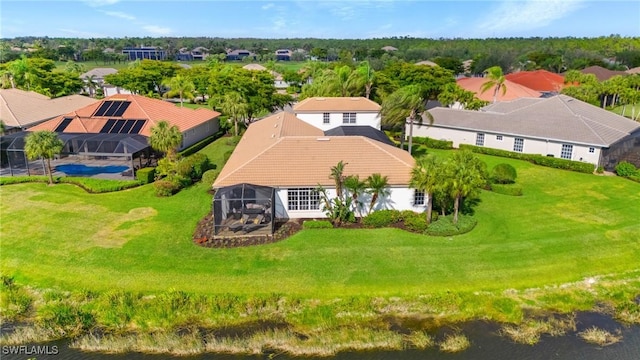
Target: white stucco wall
(199, 132)
(400, 198)
(531, 145)
(335, 119)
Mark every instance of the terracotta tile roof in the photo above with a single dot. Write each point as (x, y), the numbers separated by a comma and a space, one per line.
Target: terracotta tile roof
(635, 70)
(256, 67)
(539, 80)
(19, 108)
(284, 151)
(514, 90)
(601, 73)
(99, 73)
(141, 108)
(560, 118)
(338, 104)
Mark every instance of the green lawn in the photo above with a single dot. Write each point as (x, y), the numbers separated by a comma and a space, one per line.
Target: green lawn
(566, 227)
(628, 110)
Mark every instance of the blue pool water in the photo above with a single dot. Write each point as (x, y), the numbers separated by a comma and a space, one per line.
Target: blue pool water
(84, 170)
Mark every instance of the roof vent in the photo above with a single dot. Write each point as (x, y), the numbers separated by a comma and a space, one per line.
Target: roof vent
(323, 139)
(273, 136)
(275, 125)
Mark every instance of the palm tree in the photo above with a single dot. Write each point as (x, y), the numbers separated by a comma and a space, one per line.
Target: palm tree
(6, 79)
(165, 138)
(355, 186)
(235, 106)
(378, 187)
(43, 144)
(405, 103)
(337, 174)
(424, 177)
(495, 81)
(464, 174)
(365, 76)
(181, 86)
(92, 84)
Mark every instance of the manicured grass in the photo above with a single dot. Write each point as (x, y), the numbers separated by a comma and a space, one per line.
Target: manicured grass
(566, 226)
(628, 110)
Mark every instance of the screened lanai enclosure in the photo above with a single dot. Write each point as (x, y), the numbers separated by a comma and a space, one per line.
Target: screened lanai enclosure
(243, 210)
(129, 151)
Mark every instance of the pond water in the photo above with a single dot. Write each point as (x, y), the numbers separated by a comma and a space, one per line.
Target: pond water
(485, 345)
(84, 170)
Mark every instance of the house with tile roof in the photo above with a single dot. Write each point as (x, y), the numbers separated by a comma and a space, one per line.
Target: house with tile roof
(20, 110)
(513, 90)
(601, 73)
(558, 126)
(134, 115)
(283, 141)
(329, 112)
(98, 75)
(538, 80)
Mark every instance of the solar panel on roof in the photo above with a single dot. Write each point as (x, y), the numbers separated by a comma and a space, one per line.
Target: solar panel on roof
(107, 127)
(122, 108)
(105, 105)
(63, 125)
(116, 128)
(112, 109)
(127, 126)
(137, 127)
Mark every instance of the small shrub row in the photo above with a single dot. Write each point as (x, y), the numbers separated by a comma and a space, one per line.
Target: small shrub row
(433, 143)
(146, 175)
(534, 158)
(10, 180)
(210, 176)
(507, 189)
(317, 224)
(444, 226)
(90, 185)
(413, 221)
(200, 145)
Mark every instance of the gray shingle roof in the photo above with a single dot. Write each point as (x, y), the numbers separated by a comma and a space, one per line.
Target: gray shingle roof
(560, 118)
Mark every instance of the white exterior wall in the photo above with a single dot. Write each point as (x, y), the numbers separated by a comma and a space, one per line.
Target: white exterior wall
(398, 199)
(335, 119)
(199, 132)
(531, 145)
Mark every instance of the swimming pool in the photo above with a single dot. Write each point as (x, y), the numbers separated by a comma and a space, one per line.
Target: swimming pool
(84, 170)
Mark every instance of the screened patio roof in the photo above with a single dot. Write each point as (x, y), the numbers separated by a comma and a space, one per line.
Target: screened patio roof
(124, 145)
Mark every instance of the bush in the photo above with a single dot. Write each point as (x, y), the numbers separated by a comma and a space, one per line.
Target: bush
(414, 221)
(193, 167)
(381, 218)
(317, 224)
(9, 180)
(433, 143)
(97, 186)
(503, 174)
(626, 169)
(534, 158)
(210, 176)
(168, 186)
(600, 170)
(234, 140)
(146, 175)
(444, 226)
(507, 189)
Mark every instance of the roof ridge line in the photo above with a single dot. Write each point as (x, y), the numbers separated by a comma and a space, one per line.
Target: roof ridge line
(581, 118)
(135, 99)
(11, 112)
(377, 144)
(248, 161)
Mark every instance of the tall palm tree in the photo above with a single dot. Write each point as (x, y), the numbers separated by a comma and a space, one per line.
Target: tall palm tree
(464, 173)
(234, 106)
(406, 103)
(165, 138)
(366, 77)
(92, 84)
(356, 187)
(43, 144)
(377, 186)
(181, 86)
(425, 177)
(495, 81)
(337, 174)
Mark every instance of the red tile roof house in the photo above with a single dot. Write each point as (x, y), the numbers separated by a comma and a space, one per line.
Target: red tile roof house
(538, 80)
(513, 90)
(292, 157)
(327, 113)
(558, 126)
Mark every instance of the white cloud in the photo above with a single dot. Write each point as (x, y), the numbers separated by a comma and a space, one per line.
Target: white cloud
(99, 3)
(157, 30)
(82, 34)
(513, 16)
(267, 6)
(118, 14)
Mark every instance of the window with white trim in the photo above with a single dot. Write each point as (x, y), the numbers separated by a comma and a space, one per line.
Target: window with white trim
(499, 137)
(518, 144)
(567, 151)
(325, 118)
(418, 197)
(592, 150)
(349, 118)
(479, 139)
(303, 199)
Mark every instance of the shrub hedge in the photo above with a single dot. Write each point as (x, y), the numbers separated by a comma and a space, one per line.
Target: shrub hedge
(146, 175)
(201, 144)
(433, 143)
(317, 224)
(210, 176)
(534, 158)
(381, 218)
(90, 185)
(507, 189)
(444, 226)
(626, 169)
(503, 174)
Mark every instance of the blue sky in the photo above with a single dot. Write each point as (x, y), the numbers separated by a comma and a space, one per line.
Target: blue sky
(353, 19)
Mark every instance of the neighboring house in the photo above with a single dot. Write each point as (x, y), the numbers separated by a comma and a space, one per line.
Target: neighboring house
(539, 80)
(99, 74)
(389, 48)
(20, 110)
(240, 55)
(513, 90)
(283, 55)
(601, 73)
(278, 81)
(293, 158)
(329, 112)
(199, 53)
(144, 52)
(135, 115)
(559, 126)
(363, 130)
